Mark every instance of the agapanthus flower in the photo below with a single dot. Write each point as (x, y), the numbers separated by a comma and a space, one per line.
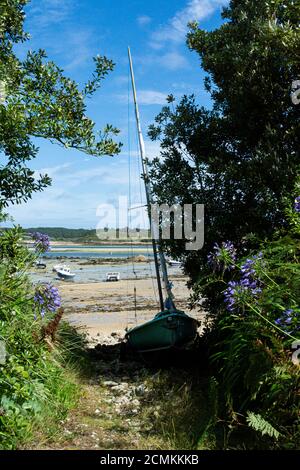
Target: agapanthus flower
(248, 269)
(297, 204)
(47, 298)
(41, 242)
(247, 289)
(223, 257)
(239, 293)
(289, 321)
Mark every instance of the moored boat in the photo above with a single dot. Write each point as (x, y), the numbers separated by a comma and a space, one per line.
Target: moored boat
(65, 273)
(174, 262)
(57, 267)
(113, 276)
(167, 330)
(170, 328)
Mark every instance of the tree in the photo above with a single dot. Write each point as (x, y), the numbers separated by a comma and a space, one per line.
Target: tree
(241, 158)
(38, 100)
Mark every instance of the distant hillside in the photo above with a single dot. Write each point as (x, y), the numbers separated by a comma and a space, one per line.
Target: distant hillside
(61, 233)
(86, 235)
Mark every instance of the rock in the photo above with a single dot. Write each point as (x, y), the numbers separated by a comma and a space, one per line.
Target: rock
(121, 388)
(140, 390)
(110, 383)
(97, 412)
(140, 259)
(135, 403)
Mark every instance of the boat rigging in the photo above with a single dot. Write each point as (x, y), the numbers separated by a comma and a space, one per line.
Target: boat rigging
(170, 328)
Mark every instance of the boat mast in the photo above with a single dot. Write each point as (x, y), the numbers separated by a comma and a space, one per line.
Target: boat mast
(145, 175)
(167, 284)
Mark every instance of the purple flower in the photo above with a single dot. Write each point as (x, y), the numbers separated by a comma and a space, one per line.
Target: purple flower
(222, 257)
(297, 204)
(289, 320)
(41, 242)
(247, 289)
(239, 293)
(47, 298)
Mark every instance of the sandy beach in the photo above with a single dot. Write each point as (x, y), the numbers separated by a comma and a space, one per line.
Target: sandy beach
(104, 308)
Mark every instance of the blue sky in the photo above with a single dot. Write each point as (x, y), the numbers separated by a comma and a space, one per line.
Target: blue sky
(72, 32)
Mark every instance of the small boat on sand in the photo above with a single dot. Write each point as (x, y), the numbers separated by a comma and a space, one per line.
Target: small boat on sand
(58, 267)
(65, 273)
(173, 262)
(112, 277)
(171, 328)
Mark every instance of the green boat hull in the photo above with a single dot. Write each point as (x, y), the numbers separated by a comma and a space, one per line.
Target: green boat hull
(167, 330)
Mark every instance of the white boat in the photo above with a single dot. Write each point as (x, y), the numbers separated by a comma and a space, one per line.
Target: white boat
(58, 267)
(65, 273)
(112, 277)
(173, 262)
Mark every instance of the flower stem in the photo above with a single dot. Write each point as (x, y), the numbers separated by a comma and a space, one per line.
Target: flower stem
(272, 324)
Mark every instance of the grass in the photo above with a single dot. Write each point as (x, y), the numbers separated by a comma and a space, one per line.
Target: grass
(34, 404)
(177, 410)
(181, 408)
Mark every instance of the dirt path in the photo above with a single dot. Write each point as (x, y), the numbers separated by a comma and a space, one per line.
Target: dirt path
(125, 405)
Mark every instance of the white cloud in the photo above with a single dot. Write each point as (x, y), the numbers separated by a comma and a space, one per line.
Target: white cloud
(153, 149)
(176, 28)
(149, 97)
(143, 20)
(46, 12)
(173, 61)
(51, 171)
(146, 97)
(75, 194)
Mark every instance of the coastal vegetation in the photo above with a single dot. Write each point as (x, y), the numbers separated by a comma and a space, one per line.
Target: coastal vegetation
(39, 357)
(241, 160)
(81, 235)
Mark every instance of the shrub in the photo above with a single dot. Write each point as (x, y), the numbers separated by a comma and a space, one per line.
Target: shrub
(35, 390)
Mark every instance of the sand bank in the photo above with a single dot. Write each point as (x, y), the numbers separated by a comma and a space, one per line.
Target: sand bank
(104, 308)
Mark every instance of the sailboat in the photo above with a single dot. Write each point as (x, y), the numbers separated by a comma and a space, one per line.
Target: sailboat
(170, 328)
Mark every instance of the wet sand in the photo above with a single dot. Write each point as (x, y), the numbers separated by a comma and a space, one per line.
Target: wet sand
(103, 308)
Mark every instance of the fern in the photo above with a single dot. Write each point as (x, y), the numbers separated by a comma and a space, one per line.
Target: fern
(258, 423)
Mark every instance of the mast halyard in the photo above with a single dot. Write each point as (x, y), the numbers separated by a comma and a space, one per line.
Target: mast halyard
(154, 235)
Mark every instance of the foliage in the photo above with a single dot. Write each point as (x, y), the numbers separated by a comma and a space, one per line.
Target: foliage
(82, 235)
(35, 391)
(249, 348)
(241, 160)
(61, 233)
(37, 100)
(258, 423)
